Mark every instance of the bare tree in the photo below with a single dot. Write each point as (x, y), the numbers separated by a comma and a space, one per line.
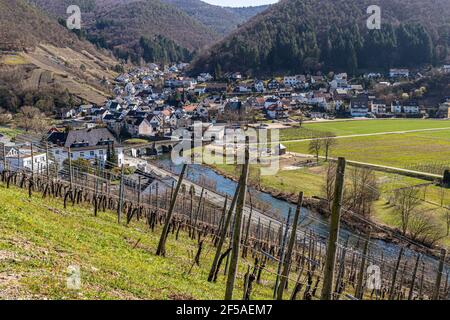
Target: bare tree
(329, 142)
(361, 191)
(5, 117)
(447, 220)
(31, 118)
(425, 228)
(406, 202)
(315, 145)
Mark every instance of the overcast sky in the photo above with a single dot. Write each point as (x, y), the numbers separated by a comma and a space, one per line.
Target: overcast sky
(240, 3)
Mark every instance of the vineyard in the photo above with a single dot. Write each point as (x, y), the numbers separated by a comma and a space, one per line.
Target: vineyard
(174, 243)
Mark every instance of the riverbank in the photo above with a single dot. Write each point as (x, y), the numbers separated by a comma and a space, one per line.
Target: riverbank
(319, 206)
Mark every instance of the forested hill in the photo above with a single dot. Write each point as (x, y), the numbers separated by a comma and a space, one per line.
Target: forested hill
(24, 26)
(135, 30)
(222, 20)
(309, 35)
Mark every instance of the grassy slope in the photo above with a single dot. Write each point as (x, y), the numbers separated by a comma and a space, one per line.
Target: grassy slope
(39, 240)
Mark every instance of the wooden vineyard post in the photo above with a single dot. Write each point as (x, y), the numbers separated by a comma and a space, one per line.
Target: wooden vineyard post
(359, 292)
(32, 161)
(4, 157)
(221, 222)
(161, 251)
(437, 286)
(338, 286)
(394, 275)
(282, 250)
(119, 207)
(413, 280)
(69, 154)
(139, 198)
(223, 235)
(247, 228)
(334, 231)
(197, 213)
(292, 239)
(46, 162)
(236, 241)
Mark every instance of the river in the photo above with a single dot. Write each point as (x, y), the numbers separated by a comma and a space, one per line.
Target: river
(314, 221)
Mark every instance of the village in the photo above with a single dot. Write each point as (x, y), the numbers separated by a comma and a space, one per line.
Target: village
(151, 103)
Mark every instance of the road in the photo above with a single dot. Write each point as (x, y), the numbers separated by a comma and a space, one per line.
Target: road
(215, 197)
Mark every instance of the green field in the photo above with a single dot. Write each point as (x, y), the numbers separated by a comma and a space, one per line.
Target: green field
(407, 150)
(343, 128)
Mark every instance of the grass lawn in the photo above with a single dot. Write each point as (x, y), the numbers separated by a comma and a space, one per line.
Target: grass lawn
(39, 240)
(12, 59)
(135, 141)
(9, 132)
(397, 150)
(342, 128)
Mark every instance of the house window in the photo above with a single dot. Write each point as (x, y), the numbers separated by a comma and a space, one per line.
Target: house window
(100, 151)
(92, 153)
(82, 154)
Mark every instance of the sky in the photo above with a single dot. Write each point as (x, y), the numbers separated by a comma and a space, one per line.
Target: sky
(240, 3)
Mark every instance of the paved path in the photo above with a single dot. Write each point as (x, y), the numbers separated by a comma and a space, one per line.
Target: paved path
(368, 134)
(379, 167)
(215, 197)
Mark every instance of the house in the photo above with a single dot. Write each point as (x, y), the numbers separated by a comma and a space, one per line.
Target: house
(235, 76)
(258, 86)
(88, 144)
(130, 89)
(276, 111)
(398, 73)
(201, 112)
(148, 182)
(396, 107)
(233, 105)
(189, 83)
(214, 133)
(273, 84)
(339, 82)
(20, 158)
(243, 88)
(218, 87)
(157, 121)
(66, 113)
(294, 81)
(378, 107)
(140, 126)
(204, 77)
(411, 107)
(270, 101)
(359, 107)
